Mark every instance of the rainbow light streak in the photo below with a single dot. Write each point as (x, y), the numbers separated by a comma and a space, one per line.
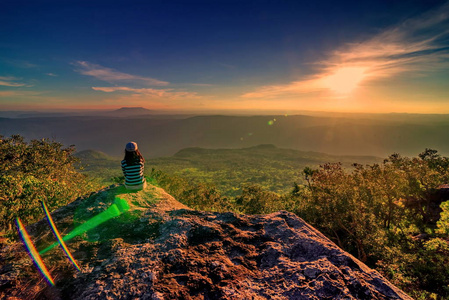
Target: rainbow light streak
(115, 210)
(32, 252)
(58, 236)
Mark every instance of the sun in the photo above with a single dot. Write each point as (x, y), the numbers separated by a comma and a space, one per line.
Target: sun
(344, 80)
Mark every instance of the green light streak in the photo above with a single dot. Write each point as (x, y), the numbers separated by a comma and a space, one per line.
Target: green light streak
(120, 206)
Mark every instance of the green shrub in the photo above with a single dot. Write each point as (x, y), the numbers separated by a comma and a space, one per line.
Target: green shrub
(443, 222)
(385, 215)
(35, 171)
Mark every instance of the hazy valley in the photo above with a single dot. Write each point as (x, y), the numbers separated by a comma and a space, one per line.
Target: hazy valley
(163, 135)
(272, 168)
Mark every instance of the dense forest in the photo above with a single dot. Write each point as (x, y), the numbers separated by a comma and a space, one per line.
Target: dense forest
(391, 214)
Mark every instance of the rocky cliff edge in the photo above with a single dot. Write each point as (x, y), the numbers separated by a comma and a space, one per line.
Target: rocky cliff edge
(161, 249)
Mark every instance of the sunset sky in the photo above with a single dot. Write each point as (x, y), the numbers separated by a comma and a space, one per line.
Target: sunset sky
(212, 55)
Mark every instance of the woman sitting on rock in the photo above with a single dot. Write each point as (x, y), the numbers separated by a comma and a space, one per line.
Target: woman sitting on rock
(132, 167)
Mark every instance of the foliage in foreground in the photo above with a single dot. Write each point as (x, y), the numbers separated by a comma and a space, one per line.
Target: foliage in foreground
(35, 171)
(387, 216)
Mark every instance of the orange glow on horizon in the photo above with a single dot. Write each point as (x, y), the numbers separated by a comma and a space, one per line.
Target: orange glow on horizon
(344, 80)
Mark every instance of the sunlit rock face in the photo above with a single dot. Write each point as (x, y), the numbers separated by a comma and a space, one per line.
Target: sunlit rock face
(164, 250)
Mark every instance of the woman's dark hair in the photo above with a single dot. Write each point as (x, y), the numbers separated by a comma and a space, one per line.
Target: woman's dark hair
(133, 157)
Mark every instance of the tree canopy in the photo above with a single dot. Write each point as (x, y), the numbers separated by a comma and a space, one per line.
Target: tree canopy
(34, 171)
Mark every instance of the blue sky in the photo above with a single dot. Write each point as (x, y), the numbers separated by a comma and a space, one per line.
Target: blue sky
(376, 56)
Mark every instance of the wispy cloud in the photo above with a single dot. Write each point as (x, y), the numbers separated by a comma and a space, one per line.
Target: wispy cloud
(10, 81)
(19, 93)
(417, 46)
(114, 76)
(6, 83)
(125, 85)
(51, 74)
(159, 93)
(202, 84)
(18, 63)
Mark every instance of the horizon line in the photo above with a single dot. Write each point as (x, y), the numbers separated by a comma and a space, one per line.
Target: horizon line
(212, 111)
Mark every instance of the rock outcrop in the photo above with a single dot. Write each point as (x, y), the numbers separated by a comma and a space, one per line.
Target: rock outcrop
(161, 249)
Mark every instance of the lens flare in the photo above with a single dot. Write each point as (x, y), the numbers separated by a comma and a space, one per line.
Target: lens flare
(58, 236)
(120, 206)
(32, 252)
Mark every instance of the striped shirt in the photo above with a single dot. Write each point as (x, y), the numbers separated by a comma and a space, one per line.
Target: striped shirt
(133, 173)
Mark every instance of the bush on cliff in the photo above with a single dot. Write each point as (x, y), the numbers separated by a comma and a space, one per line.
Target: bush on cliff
(34, 171)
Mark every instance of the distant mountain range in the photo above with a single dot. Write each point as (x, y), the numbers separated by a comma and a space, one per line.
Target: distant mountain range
(129, 111)
(121, 112)
(165, 135)
(265, 151)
